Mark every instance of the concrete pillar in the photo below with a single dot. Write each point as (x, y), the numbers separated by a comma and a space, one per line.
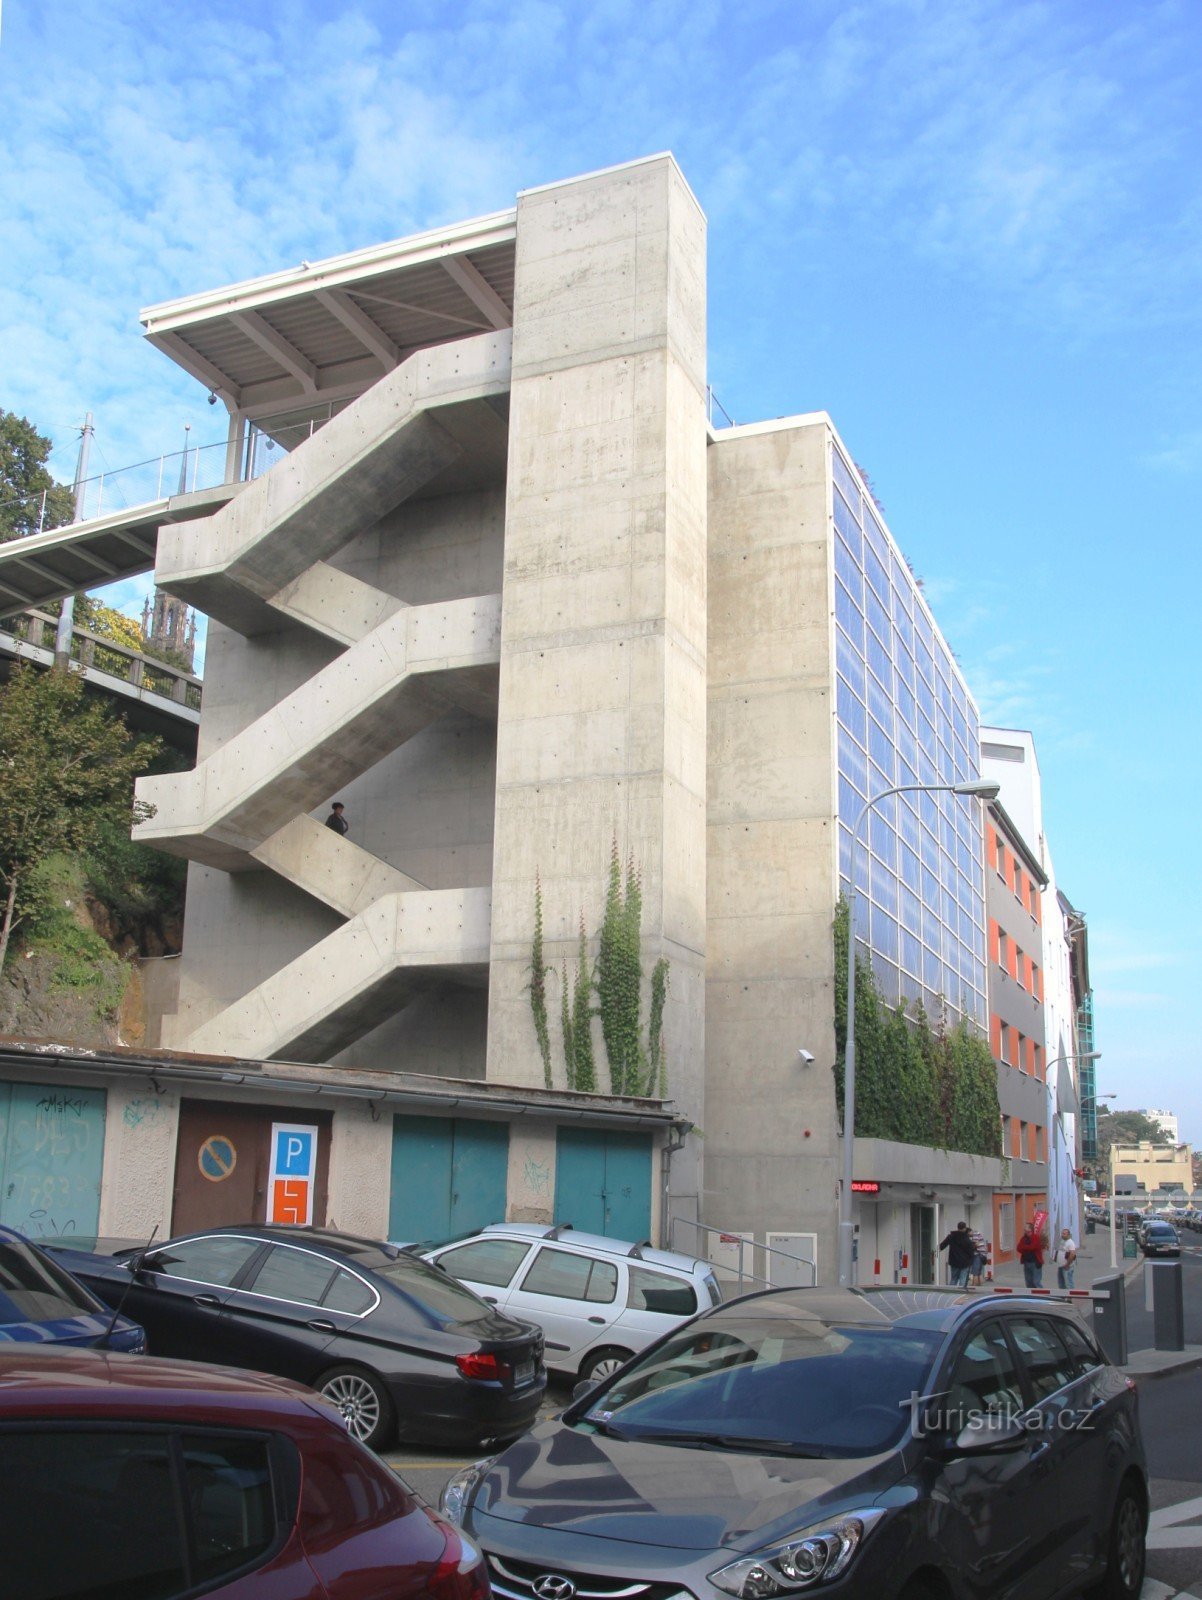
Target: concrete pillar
(601, 725)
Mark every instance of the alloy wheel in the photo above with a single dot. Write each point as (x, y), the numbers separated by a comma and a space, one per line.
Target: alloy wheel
(357, 1402)
(1129, 1545)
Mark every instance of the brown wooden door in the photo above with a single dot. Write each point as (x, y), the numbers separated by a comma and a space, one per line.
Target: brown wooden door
(220, 1165)
(223, 1162)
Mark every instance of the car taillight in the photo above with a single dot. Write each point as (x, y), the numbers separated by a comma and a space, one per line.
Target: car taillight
(482, 1364)
(460, 1573)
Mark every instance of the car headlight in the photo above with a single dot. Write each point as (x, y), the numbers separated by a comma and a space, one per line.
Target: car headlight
(808, 1557)
(459, 1488)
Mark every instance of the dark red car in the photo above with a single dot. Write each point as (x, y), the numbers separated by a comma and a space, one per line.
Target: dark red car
(131, 1478)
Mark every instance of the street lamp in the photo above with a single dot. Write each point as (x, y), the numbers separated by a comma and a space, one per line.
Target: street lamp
(981, 789)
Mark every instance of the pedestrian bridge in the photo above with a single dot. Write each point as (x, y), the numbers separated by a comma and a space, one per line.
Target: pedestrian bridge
(156, 697)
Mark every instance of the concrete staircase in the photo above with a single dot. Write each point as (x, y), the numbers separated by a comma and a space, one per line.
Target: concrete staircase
(262, 563)
(356, 977)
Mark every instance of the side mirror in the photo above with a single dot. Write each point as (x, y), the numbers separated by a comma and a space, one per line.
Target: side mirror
(987, 1434)
(585, 1386)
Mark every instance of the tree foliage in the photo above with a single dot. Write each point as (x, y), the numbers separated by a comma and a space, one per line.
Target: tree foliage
(24, 478)
(68, 764)
(914, 1083)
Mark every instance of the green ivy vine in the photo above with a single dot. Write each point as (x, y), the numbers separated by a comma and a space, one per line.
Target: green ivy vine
(635, 1067)
(914, 1083)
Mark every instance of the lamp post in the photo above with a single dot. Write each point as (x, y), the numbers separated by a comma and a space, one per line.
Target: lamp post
(1092, 1100)
(982, 790)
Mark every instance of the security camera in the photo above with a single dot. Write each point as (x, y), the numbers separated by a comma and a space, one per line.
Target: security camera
(212, 398)
(807, 1060)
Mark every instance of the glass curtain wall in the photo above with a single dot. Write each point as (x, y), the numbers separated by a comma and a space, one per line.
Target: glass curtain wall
(904, 715)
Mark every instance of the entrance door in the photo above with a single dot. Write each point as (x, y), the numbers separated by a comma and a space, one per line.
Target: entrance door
(449, 1175)
(603, 1182)
(51, 1152)
(922, 1236)
(223, 1161)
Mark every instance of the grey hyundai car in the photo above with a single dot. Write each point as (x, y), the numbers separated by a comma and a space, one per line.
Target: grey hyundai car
(921, 1443)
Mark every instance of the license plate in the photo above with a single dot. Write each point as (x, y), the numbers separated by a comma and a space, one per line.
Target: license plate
(523, 1372)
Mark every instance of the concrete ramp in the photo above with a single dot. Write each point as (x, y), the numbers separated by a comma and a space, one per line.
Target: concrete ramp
(357, 977)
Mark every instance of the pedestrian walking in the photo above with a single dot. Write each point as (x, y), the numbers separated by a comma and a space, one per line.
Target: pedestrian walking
(336, 820)
(1064, 1258)
(960, 1252)
(1030, 1253)
(980, 1247)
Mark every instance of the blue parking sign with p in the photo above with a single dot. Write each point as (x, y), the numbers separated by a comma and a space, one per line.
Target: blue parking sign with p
(293, 1152)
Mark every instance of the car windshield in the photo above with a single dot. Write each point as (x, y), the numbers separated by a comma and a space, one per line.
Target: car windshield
(800, 1387)
(33, 1289)
(433, 1291)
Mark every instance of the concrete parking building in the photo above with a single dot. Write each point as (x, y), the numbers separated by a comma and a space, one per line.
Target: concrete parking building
(510, 598)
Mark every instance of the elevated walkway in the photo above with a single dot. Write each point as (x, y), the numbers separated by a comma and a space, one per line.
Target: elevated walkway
(154, 696)
(357, 977)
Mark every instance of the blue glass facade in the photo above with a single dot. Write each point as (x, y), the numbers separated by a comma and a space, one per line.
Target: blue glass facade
(904, 715)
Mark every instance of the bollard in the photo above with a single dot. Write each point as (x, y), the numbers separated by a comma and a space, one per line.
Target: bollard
(1110, 1318)
(1168, 1307)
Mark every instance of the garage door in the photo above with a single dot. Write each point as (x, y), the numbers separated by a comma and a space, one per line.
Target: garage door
(603, 1182)
(449, 1175)
(51, 1153)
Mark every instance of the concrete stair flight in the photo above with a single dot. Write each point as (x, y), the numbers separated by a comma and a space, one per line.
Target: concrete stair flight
(418, 664)
(357, 977)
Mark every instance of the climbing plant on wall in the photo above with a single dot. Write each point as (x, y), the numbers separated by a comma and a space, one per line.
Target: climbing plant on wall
(914, 1083)
(616, 978)
(538, 985)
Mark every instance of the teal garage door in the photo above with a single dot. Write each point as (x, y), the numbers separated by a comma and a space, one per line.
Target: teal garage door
(449, 1175)
(51, 1152)
(603, 1182)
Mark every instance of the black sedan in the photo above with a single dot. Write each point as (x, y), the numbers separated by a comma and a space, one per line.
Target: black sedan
(1160, 1239)
(398, 1346)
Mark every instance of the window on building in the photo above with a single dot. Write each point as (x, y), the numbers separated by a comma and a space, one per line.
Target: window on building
(1003, 951)
(1020, 963)
(1005, 1224)
(1024, 1138)
(1004, 1041)
(1019, 1050)
(1037, 1062)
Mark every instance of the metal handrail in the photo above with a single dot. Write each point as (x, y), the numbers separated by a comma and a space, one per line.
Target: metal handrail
(743, 1240)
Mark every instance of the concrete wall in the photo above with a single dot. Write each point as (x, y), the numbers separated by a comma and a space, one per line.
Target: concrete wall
(601, 727)
(771, 1139)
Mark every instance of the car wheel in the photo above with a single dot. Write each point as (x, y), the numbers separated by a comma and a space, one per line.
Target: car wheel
(362, 1401)
(603, 1363)
(1126, 1549)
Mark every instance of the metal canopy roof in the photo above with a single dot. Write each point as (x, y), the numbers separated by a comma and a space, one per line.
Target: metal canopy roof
(327, 330)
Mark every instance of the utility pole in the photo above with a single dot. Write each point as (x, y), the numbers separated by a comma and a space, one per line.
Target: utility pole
(66, 616)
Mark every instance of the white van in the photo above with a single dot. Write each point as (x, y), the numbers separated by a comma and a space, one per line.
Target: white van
(598, 1300)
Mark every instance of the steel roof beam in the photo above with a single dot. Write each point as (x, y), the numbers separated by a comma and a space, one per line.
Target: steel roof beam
(355, 320)
(259, 330)
(196, 366)
(478, 290)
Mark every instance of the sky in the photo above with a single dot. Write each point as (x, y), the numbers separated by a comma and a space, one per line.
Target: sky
(971, 230)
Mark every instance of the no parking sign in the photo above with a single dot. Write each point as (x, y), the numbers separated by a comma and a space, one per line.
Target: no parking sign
(293, 1173)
